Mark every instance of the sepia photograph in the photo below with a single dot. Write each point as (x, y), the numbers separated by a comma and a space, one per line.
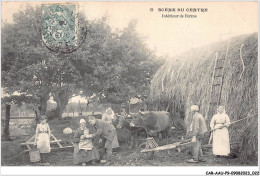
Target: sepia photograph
(121, 83)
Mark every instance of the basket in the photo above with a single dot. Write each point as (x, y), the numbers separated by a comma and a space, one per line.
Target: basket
(151, 142)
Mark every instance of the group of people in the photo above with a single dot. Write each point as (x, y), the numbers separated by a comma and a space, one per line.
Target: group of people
(86, 151)
(84, 148)
(219, 126)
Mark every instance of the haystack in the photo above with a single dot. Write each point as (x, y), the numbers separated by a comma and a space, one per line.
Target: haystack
(187, 80)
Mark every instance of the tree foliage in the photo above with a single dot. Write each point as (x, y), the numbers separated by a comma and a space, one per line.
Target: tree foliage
(114, 64)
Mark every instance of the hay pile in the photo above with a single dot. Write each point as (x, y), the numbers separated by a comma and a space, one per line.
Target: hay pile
(186, 81)
(248, 147)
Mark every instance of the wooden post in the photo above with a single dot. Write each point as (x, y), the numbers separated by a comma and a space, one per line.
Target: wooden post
(7, 120)
(93, 109)
(129, 106)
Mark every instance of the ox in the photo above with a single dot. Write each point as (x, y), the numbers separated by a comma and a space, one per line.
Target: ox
(153, 122)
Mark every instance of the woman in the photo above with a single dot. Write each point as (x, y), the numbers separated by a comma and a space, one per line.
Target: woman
(220, 146)
(84, 151)
(42, 135)
(109, 117)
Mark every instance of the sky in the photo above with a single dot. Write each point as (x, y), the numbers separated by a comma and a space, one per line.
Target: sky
(168, 36)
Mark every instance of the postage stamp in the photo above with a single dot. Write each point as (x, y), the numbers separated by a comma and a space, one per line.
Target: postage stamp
(61, 28)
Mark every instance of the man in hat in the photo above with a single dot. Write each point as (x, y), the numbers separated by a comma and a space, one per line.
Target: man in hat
(105, 130)
(198, 128)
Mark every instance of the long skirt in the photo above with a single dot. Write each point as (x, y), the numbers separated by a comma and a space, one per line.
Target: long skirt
(43, 143)
(220, 145)
(115, 143)
(83, 156)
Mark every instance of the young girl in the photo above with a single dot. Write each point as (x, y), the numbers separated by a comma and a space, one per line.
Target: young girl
(42, 136)
(109, 117)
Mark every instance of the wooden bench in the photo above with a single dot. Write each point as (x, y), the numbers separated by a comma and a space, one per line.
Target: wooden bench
(53, 139)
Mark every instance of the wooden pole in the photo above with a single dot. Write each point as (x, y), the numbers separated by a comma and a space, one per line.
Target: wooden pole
(7, 120)
(129, 106)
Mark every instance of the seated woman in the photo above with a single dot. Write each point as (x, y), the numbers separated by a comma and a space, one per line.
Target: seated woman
(84, 151)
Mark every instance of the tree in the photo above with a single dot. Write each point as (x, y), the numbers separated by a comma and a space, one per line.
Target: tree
(116, 64)
(30, 69)
(22, 58)
(124, 65)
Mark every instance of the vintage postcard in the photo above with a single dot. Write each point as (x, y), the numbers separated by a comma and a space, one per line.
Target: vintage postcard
(121, 83)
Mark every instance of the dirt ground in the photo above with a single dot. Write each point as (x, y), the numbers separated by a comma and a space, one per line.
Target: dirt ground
(12, 153)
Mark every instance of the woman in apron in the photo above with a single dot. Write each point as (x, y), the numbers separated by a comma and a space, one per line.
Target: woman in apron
(220, 145)
(84, 150)
(109, 117)
(42, 136)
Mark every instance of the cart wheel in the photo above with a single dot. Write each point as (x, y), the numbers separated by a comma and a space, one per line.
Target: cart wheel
(145, 155)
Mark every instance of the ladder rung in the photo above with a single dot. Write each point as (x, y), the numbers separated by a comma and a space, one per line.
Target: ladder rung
(213, 102)
(218, 67)
(218, 76)
(216, 85)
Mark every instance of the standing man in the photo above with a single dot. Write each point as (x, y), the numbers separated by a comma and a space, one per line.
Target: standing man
(105, 130)
(198, 128)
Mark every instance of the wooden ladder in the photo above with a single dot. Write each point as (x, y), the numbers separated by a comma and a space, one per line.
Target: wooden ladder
(217, 80)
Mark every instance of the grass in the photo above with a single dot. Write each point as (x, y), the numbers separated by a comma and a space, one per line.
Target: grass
(12, 152)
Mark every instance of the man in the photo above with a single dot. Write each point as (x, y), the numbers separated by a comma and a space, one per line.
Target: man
(105, 130)
(198, 128)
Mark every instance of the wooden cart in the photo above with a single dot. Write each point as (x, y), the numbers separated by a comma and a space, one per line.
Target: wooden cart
(150, 146)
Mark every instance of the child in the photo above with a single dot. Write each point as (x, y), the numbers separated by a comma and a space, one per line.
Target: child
(42, 136)
(85, 141)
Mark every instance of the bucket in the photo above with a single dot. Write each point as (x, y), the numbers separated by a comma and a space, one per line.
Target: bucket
(34, 155)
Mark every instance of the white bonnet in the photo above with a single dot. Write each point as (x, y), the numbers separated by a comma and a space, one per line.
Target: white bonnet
(82, 121)
(194, 108)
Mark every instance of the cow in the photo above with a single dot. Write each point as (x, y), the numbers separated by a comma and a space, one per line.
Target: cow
(154, 122)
